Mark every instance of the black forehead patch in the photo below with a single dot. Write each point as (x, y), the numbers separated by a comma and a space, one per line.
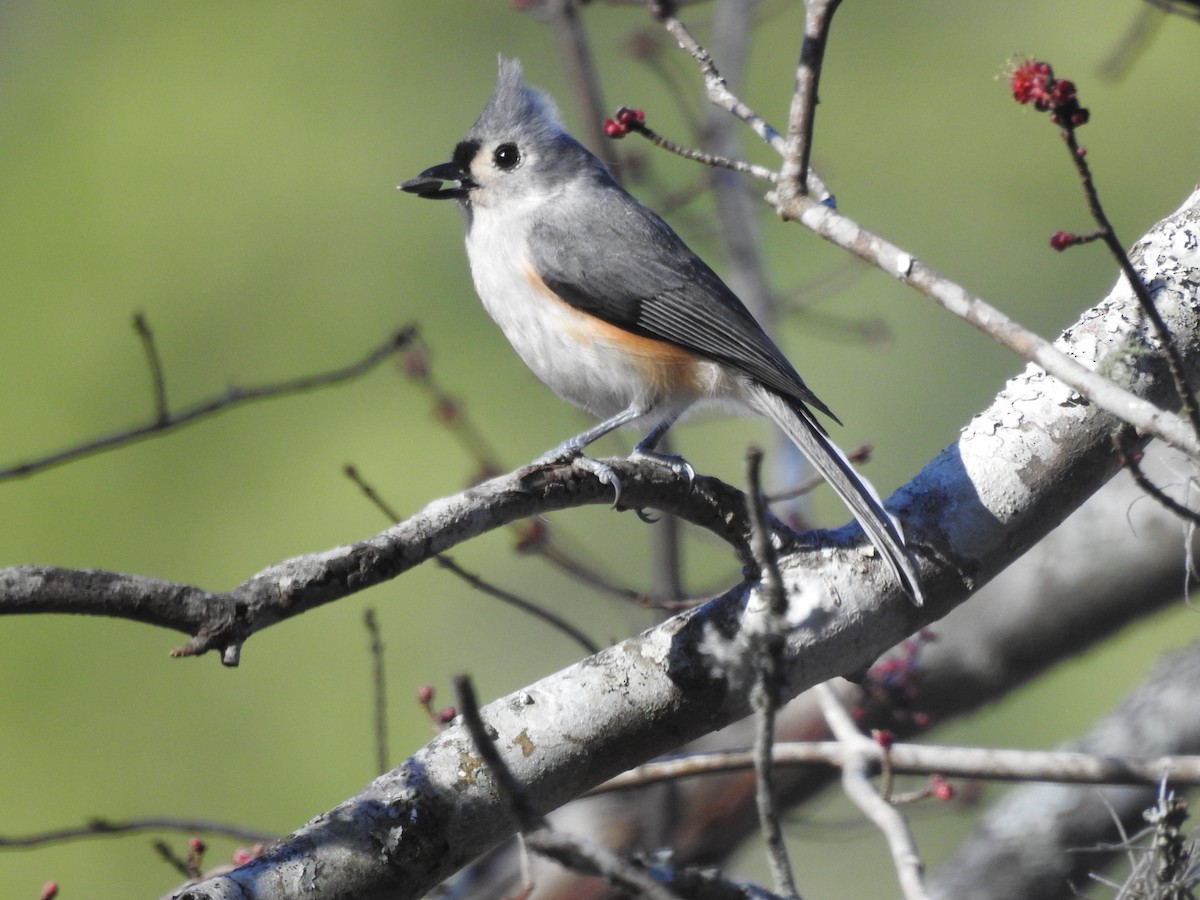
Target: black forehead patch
(464, 152)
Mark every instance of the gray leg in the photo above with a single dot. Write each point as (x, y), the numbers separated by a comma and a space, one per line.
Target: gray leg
(645, 449)
(572, 446)
(572, 449)
(650, 441)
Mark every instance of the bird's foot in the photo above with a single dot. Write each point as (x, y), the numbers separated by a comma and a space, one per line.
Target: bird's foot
(603, 471)
(569, 454)
(676, 464)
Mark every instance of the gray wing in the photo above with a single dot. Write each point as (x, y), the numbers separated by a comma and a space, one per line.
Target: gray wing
(620, 262)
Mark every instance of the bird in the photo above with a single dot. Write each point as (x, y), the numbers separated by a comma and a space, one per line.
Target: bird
(609, 307)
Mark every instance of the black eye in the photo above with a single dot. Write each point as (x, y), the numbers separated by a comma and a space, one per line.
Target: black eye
(506, 156)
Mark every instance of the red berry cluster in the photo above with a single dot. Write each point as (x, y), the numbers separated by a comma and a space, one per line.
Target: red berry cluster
(1033, 82)
(623, 122)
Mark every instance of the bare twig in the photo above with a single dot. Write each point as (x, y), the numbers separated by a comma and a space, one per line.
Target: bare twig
(112, 828)
(449, 410)
(574, 852)
(571, 38)
(1069, 118)
(154, 361)
(857, 784)
(480, 584)
(181, 865)
(533, 540)
(1185, 8)
(378, 690)
(819, 217)
(527, 606)
(513, 791)
(793, 172)
(164, 420)
(590, 858)
(765, 633)
(707, 159)
(978, 763)
(1130, 457)
(716, 88)
(844, 232)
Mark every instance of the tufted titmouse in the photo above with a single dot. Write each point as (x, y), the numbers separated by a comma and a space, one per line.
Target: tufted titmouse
(609, 307)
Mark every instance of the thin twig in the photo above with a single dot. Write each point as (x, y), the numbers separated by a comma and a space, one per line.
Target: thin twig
(512, 790)
(590, 858)
(716, 88)
(707, 159)
(922, 759)
(368, 490)
(666, 552)
(233, 396)
(845, 232)
(826, 222)
(475, 581)
(111, 828)
(1130, 458)
(168, 855)
(1137, 38)
(1182, 8)
(450, 411)
(760, 539)
(793, 172)
(157, 380)
(856, 782)
(378, 689)
(766, 630)
(571, 38)
(554, 553)
(1187, 397)
(526, 606)
(570, 850)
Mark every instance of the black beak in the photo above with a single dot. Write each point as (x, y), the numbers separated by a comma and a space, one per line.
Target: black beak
(448, 181)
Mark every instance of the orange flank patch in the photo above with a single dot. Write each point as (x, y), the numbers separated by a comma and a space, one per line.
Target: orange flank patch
(666, 367)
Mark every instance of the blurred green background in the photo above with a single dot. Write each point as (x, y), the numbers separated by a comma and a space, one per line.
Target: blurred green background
(229, 170)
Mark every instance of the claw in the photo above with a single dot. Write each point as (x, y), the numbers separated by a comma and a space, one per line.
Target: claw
(603, 471)
(569, 454)
(677, 464)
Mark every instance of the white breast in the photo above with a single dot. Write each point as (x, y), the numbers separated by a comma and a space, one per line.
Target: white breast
(588, 363)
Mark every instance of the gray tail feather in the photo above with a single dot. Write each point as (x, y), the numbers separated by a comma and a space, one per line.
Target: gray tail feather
(856, 492)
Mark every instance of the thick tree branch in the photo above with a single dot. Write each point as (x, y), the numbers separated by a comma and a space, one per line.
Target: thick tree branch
(1013, 475)
(1119, 558)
